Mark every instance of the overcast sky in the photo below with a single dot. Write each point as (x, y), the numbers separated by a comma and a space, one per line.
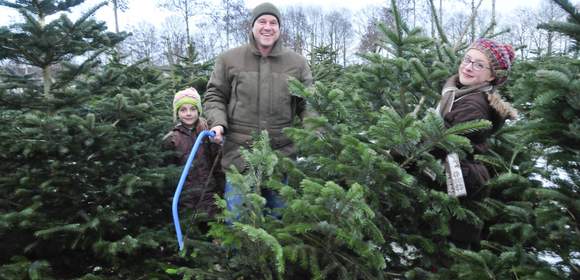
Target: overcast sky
(147, 10)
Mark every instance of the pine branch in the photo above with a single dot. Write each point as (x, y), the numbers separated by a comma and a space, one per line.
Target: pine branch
(45, 233)
(569, 8)
(89, 13)
(258, 235)
(10, 4)
(469, 127)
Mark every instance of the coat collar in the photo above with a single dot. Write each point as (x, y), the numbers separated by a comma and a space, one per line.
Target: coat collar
(277, 50)
(451, 93)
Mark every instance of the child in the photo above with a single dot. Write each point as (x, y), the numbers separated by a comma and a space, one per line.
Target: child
(205, 177)
(469, 95)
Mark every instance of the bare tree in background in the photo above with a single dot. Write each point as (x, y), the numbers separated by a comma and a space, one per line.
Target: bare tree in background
(144, 44)
(549, 11)
(455, 24)
(370, 35)
(295, 29)
(521, 31)
(330, 36)
(186, 9)
(473, 20)
(118, 5)
(441, 12)
(206, 44)
(527, 38)
(232, 20)
(493, 22)
(227, 23)
(317, 24)
(174, 39)
(242, 24)
(371, 16)
(345, 31)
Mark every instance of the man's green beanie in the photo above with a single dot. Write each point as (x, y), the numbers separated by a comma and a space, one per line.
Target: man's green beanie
(265, 9)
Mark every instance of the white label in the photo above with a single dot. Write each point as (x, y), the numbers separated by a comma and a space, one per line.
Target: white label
(455, 183)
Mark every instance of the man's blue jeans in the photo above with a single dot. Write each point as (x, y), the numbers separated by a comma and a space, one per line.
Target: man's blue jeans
(235, 200)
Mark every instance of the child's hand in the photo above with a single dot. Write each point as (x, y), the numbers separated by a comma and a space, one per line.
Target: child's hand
(219, 134)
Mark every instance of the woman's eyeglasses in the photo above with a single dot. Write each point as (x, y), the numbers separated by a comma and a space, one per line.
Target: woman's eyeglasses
(477, 66)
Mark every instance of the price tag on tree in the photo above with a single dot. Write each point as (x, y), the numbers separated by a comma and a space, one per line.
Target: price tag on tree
(455, 183)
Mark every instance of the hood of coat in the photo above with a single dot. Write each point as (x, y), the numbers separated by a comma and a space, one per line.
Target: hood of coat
(503, 108)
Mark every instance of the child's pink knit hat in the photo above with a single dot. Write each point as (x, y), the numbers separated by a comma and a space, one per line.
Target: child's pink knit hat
(186, 96)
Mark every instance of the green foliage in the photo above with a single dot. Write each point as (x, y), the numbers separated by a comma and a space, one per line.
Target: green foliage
(43, 44)
(323, 64)
(554, 111)
(189, 73)
(325, 229)
(79, 164)
(570, 28)
(84, 193)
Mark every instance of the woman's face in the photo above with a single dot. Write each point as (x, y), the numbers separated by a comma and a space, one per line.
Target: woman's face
(475, 69)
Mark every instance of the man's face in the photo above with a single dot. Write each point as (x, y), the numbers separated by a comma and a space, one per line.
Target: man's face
(266, 31)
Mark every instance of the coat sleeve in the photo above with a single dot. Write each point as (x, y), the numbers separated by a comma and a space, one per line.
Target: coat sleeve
(168, 144)
(302, 108)
(217, 95)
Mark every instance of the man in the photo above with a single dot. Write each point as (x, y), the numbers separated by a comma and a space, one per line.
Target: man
(248, 92)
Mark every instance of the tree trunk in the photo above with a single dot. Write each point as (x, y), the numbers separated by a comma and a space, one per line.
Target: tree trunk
(188, 36)
(473, 12)
(169, 53)
(227, 24)
(344, 50)
(432, 24)
(441, 12)
(46, 76)
(47, 81)
(414, 13)
(116, 9)
(492, 16)
(550, 43)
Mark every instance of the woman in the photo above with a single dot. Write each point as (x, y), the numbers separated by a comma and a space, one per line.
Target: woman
(470, 95)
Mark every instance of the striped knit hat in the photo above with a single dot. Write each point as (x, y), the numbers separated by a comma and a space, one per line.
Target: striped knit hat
(500, 56)
(186, 96)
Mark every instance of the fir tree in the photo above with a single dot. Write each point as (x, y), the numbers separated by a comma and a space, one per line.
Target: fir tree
(323, 64)
(80, 153)
(548, 90)
(189, 72)
(82, 185)
(45, 45)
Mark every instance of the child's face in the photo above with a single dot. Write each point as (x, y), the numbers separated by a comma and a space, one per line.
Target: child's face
(188, 114)
(474, 69)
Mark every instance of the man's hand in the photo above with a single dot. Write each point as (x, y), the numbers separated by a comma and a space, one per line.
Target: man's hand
(219, 134)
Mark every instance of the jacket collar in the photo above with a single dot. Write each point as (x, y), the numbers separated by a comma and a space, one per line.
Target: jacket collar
(451, 93)
(276, 50)
(181, 128)
(452, 84)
